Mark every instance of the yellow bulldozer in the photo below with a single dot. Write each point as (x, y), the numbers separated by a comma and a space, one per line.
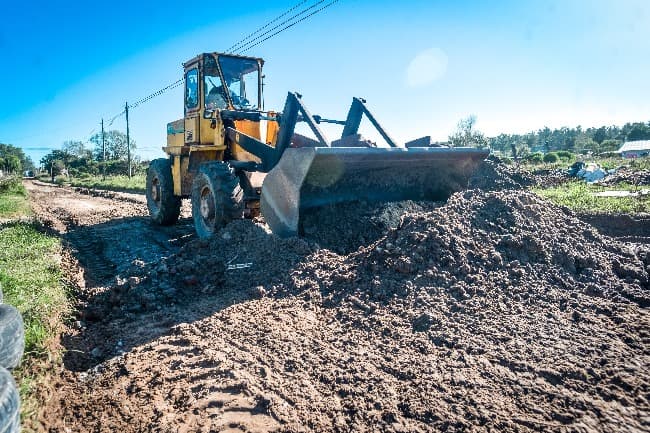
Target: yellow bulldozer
(234, 159)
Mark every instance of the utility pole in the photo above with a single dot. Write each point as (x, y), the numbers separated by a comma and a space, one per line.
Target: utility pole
(103, 153)
(128, 141)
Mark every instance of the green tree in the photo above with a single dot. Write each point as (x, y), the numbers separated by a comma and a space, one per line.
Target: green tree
(610, 145)
(57, 160)
(638, 131)
(76, 148)
(115, 142)
(13, 158)
(600, 135)
(466, 136)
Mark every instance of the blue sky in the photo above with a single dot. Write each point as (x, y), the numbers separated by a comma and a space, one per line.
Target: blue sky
(421, 65)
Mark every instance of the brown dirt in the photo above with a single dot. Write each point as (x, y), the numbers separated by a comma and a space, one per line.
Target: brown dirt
(495, 311)
(493, 175)
(629, 176)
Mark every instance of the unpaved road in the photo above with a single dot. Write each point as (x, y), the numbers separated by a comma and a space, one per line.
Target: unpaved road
(492, 312)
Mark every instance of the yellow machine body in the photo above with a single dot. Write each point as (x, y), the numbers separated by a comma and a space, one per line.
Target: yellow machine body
(200, 135)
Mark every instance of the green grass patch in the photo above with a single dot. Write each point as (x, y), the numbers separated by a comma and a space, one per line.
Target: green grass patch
(13, 199)
(136, 183)
(31, 279)
(579, 196)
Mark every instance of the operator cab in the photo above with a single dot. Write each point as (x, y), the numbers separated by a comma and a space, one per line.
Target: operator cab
(227, 81)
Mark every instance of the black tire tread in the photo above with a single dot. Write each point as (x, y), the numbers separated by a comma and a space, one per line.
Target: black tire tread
(9, 403)
(170, 205)
(225, 184)
(12, 337)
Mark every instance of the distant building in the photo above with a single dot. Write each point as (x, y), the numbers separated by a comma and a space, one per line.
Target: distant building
(635, 149)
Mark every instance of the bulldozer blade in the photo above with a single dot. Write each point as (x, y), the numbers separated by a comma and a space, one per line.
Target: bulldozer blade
(311, 177)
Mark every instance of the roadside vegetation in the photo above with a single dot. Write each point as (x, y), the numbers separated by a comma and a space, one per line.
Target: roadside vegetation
(13, 198)
(580, 197)
(135, 183)
(31, 279)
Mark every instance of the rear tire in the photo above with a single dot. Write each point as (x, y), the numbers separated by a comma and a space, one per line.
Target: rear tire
(9, 403)
(12, 337)
(164, 206)
(217, 198)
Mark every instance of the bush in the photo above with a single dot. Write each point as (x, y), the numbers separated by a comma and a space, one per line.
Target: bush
(551, 157)
(506, 160)
(11, 185)
(565, 155)
(535, 158)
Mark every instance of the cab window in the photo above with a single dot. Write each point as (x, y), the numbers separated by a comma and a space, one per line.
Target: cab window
(192, 88)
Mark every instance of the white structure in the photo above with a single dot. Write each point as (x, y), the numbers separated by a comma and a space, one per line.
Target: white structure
(635, 149)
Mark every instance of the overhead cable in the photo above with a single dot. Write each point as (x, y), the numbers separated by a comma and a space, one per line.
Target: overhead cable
(286, 23)
(241, 42)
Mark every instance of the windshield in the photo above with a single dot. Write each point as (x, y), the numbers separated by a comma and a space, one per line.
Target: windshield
(242, 79)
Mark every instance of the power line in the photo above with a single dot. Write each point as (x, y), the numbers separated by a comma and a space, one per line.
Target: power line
(112, 119)
(230, 50)
(158, 93)
(251, 44)
(243, 45)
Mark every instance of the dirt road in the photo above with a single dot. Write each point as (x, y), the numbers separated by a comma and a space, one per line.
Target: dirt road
(495, 311)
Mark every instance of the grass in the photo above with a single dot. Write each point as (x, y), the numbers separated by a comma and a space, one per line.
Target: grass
(113, 183)
(578, 196)
(31, 279)
(13, 199)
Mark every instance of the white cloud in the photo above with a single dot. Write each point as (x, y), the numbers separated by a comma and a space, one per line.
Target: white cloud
(427, 67)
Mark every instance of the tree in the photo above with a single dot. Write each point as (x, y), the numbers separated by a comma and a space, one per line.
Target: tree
(466, 136)
(76, 148)
(11, 164)
(57, 160)
(610, 145)
(12, 158)
(115, 142)
(638, 131)
(600, 135)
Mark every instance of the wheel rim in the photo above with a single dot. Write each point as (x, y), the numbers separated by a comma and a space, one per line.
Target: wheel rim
(207, 207)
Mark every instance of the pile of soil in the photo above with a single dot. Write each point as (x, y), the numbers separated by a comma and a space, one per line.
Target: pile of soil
(625, 175)
(496, 311)
(550, 177)
(344, 228)
(494, 175)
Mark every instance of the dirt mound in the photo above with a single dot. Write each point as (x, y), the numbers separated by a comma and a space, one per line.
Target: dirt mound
(626, 175)
(494, 175)
(550, 177)
(344, 228)
(494, 311)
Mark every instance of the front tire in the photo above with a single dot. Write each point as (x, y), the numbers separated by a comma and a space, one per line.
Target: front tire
(12, 337)
(9, 403)
(217, 198)
(164, 206)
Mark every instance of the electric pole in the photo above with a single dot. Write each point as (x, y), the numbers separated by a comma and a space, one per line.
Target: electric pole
(103, 153)
(128, 141)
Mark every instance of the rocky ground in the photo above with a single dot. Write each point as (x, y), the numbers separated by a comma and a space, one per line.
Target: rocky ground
(493, 311)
